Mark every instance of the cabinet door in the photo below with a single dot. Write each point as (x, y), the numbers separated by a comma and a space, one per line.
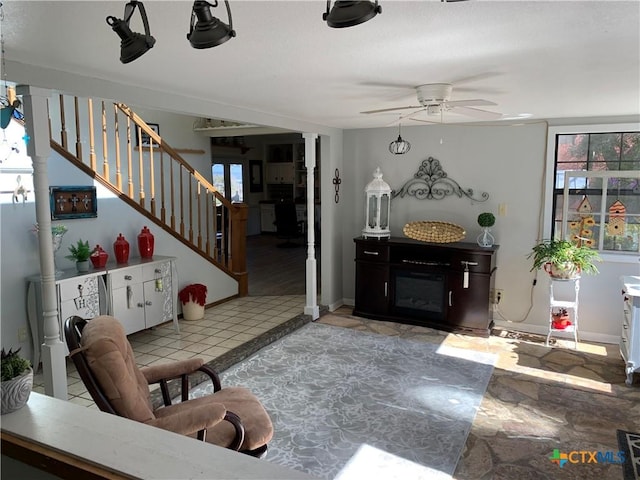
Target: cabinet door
(267, 218)
(154, 299)
(372, 288)
(129, 308)
(469, 307)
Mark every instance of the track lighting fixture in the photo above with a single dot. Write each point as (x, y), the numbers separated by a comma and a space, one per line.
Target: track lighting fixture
(208, 31)
(350, 13)
(399, 146)
(132, 45)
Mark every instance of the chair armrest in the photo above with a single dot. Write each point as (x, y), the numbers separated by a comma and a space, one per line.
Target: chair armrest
(187, 419)
(167, 371)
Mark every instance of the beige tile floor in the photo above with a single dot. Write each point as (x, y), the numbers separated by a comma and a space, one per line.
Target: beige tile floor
(223, 327)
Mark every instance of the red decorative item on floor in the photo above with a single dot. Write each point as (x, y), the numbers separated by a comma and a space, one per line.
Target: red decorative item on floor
(145, 243)
(99, 257)
(121, 249)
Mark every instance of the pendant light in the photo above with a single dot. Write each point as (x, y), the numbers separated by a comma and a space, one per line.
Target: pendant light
(208, 31)
(350, 13)
(132, 45)
(399, 146)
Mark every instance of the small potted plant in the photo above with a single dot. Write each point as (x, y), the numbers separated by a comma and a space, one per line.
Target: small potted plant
(80, 253)
(563, 259)
(560, 319)
(193, 298)
(486, 220)
(17, 380)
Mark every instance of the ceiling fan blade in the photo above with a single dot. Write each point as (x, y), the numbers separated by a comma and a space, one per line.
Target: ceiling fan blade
(476, 102)
(391, 109)
(477, 113)
(421, 120)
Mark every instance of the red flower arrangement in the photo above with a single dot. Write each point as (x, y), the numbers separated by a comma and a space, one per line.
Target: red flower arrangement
(195, 292)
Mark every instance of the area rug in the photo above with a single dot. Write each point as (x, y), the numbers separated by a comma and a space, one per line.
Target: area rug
(629, 443)
(336, 395)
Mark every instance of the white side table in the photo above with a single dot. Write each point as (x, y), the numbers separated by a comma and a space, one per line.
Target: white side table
(570, 305)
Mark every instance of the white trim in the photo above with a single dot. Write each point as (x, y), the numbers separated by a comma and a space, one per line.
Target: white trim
(543, 330)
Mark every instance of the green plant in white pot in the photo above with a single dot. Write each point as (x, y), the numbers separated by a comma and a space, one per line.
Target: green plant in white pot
(17, 380)
(486, 220)
(80, 253)
(563, 259)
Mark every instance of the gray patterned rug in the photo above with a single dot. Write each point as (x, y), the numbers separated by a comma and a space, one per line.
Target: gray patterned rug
(353, 405)
(629, 443)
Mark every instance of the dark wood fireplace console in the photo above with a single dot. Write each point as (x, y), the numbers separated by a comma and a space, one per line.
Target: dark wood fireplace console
(444, 286)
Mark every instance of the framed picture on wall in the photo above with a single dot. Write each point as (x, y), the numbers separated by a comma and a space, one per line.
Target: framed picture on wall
(145, 141)
(73, 202)
(255, 176)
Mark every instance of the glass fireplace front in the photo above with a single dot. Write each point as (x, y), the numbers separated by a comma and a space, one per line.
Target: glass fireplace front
(419, 294)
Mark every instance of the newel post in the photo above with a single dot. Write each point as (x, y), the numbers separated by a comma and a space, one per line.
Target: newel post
(239, 214)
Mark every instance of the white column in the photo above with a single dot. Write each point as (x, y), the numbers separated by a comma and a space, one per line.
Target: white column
(311, 307)
(53, 352)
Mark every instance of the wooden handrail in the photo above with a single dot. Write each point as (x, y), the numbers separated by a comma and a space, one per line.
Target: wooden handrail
(216, 227)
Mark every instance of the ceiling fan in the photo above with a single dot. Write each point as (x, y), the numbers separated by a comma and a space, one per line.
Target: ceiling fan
(435, 99)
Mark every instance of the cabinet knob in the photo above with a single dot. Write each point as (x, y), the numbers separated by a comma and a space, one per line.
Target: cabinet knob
(148, 302)
(140, 305)
(128, 277)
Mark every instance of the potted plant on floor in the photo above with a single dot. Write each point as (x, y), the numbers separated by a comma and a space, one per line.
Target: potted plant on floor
(193, 298)
(17, 380)
(563, 259)
(560, 319)
(80, 253)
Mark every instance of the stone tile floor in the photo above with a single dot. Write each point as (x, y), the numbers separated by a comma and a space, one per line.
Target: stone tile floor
(538, 399)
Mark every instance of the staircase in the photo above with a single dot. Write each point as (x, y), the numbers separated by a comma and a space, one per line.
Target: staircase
(152, 178)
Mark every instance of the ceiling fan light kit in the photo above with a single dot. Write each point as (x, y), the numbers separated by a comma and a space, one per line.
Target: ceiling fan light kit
(350, 13)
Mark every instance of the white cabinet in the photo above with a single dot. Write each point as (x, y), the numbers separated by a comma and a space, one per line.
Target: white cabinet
(279, 173)
(142, 295)
(267, 217)
(83, 295)
(630, 335)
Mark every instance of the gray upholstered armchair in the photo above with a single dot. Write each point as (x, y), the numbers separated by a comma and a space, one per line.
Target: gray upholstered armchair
(230, 417)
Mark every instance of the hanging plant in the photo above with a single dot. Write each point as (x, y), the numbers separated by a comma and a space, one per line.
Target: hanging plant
(196, 292)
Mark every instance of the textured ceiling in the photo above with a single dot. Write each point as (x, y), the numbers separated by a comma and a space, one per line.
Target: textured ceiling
(554, 59)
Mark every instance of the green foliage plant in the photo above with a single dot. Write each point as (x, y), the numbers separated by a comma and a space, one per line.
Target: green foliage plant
(13, 365)
(79, 252)
(486, 219)
(561, 252)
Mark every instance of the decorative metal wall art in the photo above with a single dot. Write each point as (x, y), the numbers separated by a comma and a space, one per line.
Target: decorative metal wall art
(430, 182)
(336, 182)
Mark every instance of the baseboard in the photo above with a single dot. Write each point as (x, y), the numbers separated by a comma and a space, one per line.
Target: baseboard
(336, 305)
(543, 330)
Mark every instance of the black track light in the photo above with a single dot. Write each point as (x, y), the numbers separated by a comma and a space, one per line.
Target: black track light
(350, 13)
(132, 45)
(208, 31)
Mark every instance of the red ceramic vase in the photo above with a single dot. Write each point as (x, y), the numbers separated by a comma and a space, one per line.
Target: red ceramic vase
(99, 257)
(121, 249)
(145, 243)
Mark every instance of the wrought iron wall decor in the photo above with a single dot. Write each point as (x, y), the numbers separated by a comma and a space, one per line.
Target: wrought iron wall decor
(430, 182)
(336, 183)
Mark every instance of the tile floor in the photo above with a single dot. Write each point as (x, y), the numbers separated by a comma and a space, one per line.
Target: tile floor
(223, 328)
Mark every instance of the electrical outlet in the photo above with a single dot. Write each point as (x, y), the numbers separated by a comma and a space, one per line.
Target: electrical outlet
(22, 334)
(496, 296)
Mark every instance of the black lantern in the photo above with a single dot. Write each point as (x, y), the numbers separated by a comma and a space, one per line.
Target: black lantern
(399, 146)
(350, 13)
(208, 31)
(132, 45)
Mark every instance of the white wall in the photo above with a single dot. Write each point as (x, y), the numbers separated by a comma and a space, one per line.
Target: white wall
(508, 163)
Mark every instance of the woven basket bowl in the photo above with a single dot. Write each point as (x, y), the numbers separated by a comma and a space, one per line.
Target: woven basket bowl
(434, 232)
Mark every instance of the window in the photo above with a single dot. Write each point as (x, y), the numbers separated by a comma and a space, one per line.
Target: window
(596, 191)
(228, 178)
